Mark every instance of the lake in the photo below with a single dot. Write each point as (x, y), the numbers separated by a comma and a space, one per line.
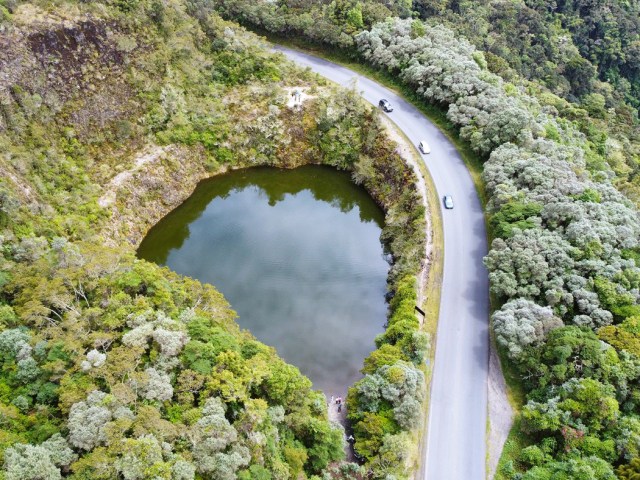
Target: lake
(297, 254)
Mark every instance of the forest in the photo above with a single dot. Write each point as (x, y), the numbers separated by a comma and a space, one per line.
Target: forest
(560, 190)
(113, 367)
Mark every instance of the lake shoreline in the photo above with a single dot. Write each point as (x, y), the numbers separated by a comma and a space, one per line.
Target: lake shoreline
(297, 252)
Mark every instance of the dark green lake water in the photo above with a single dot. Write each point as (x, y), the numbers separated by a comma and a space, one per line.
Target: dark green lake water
(297, 254)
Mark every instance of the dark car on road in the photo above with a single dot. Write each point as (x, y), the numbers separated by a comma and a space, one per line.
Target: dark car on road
(385, 105)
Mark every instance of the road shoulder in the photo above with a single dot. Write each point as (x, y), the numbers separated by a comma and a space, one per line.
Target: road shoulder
(500, 414)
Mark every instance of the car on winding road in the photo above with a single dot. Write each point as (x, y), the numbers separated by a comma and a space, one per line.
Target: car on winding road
(424, 147)
(448, 202)
(385, 105)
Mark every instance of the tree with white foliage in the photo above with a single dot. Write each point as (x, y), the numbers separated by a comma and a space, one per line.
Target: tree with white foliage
(24, 351)
(400, 384)
(521, 323)
(38, 462)
(167, 333)
(213, 427)
(28, 370)
(541, 173)
(182, 470)
(12, 341)
(138, 336)
(157, 385)
(531, 264)
(59, 450)
(216, 450)
(491, 119)
(87, 421)
(28, 462)
(408, 413)
(95, 359)
(170, 341)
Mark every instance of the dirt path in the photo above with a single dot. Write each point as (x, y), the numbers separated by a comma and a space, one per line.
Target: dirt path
(340, 417)
(150, 154)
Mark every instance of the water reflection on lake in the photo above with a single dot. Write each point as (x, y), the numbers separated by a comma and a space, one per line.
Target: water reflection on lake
(297, 254)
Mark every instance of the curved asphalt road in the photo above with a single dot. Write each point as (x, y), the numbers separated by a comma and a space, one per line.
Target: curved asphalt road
(456, 436)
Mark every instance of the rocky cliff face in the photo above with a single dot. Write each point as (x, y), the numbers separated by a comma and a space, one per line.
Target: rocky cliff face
(48, 62)
(64, 90)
